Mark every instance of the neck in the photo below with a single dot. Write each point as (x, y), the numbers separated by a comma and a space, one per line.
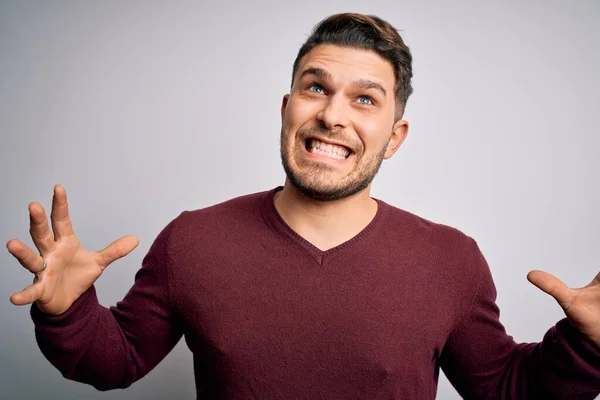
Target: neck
(325, 224)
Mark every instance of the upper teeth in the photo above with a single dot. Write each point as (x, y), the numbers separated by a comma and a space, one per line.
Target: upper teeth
(328, 149)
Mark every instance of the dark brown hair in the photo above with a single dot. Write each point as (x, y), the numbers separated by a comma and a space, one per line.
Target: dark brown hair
(367, 32)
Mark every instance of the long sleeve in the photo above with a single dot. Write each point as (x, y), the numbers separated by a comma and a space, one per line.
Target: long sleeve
(483, 362)
(113, 347)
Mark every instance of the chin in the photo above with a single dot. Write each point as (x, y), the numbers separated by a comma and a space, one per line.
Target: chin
(330, 194)
(324, 189)
(325, 182)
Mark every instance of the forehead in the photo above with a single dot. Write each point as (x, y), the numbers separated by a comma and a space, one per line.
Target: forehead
(349, 64)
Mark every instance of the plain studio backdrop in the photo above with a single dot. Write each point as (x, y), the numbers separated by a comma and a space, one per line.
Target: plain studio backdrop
(144, 109)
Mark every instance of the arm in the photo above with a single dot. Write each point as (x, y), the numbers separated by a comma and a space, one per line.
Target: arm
(113, 347)
(482, 361)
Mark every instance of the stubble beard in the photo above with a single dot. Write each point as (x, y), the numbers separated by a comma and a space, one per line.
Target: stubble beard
(313, 181)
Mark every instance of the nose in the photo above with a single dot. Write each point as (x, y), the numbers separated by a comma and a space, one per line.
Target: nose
(334, 113)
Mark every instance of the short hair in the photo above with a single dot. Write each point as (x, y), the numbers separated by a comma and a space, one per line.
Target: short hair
(367, 32)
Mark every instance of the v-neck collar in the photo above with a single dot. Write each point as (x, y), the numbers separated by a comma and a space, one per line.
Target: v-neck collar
(278, 224)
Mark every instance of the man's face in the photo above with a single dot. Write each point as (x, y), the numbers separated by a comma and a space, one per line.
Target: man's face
(338, 122)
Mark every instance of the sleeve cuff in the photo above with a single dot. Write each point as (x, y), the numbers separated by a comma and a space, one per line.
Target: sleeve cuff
(586, 349)
(79, 309)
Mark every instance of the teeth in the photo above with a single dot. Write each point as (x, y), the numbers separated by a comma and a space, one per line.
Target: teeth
(336, 152)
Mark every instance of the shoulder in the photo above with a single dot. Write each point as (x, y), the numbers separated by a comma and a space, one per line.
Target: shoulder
(447, 245)
(450, 260)
(241, 206)
(419, 228)
(218, 221)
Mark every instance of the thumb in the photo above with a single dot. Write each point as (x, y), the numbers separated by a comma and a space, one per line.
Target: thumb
(117, 249)
(551, 285)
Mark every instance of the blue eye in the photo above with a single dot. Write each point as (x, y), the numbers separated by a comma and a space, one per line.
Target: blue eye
(368, 100)
(316, 88)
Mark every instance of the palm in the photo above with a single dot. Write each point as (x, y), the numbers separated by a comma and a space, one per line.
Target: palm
(581, 306)
(71, 269)
(61, 288)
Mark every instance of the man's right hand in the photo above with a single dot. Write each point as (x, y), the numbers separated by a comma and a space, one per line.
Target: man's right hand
(70, 269)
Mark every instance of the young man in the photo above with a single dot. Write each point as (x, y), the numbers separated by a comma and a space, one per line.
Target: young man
(314, 289)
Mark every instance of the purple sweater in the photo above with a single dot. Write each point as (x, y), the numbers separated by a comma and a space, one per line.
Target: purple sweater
(269, 316)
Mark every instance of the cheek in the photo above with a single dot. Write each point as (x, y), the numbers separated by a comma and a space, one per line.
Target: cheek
(300, 112)
(374, 135)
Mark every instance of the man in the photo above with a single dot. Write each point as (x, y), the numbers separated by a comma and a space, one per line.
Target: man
(313, 290)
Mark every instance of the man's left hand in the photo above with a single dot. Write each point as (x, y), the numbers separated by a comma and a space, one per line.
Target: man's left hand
(581, 305)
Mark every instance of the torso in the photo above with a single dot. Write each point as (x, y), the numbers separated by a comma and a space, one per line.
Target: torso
(268, 315)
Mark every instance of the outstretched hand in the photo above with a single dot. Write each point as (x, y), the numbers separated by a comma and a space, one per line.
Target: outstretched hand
(63, 269)
(581, 305)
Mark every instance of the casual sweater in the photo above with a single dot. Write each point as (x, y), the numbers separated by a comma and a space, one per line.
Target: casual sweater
(267, 315)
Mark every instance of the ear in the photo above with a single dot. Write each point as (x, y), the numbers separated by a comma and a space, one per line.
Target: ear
(284, 103)
(398, 135)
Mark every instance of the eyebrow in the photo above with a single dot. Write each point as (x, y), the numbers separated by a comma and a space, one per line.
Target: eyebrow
(361, 83)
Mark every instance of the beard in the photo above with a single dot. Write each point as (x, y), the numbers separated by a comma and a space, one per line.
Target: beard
(315, 181)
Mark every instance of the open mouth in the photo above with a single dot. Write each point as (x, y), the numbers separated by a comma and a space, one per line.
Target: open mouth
(334, 151)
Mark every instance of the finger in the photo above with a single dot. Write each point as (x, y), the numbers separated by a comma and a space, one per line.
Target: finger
(28, 295)
(117, 249)
(39, 228)
(551, 285)
(28, 258)
(61, 222)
